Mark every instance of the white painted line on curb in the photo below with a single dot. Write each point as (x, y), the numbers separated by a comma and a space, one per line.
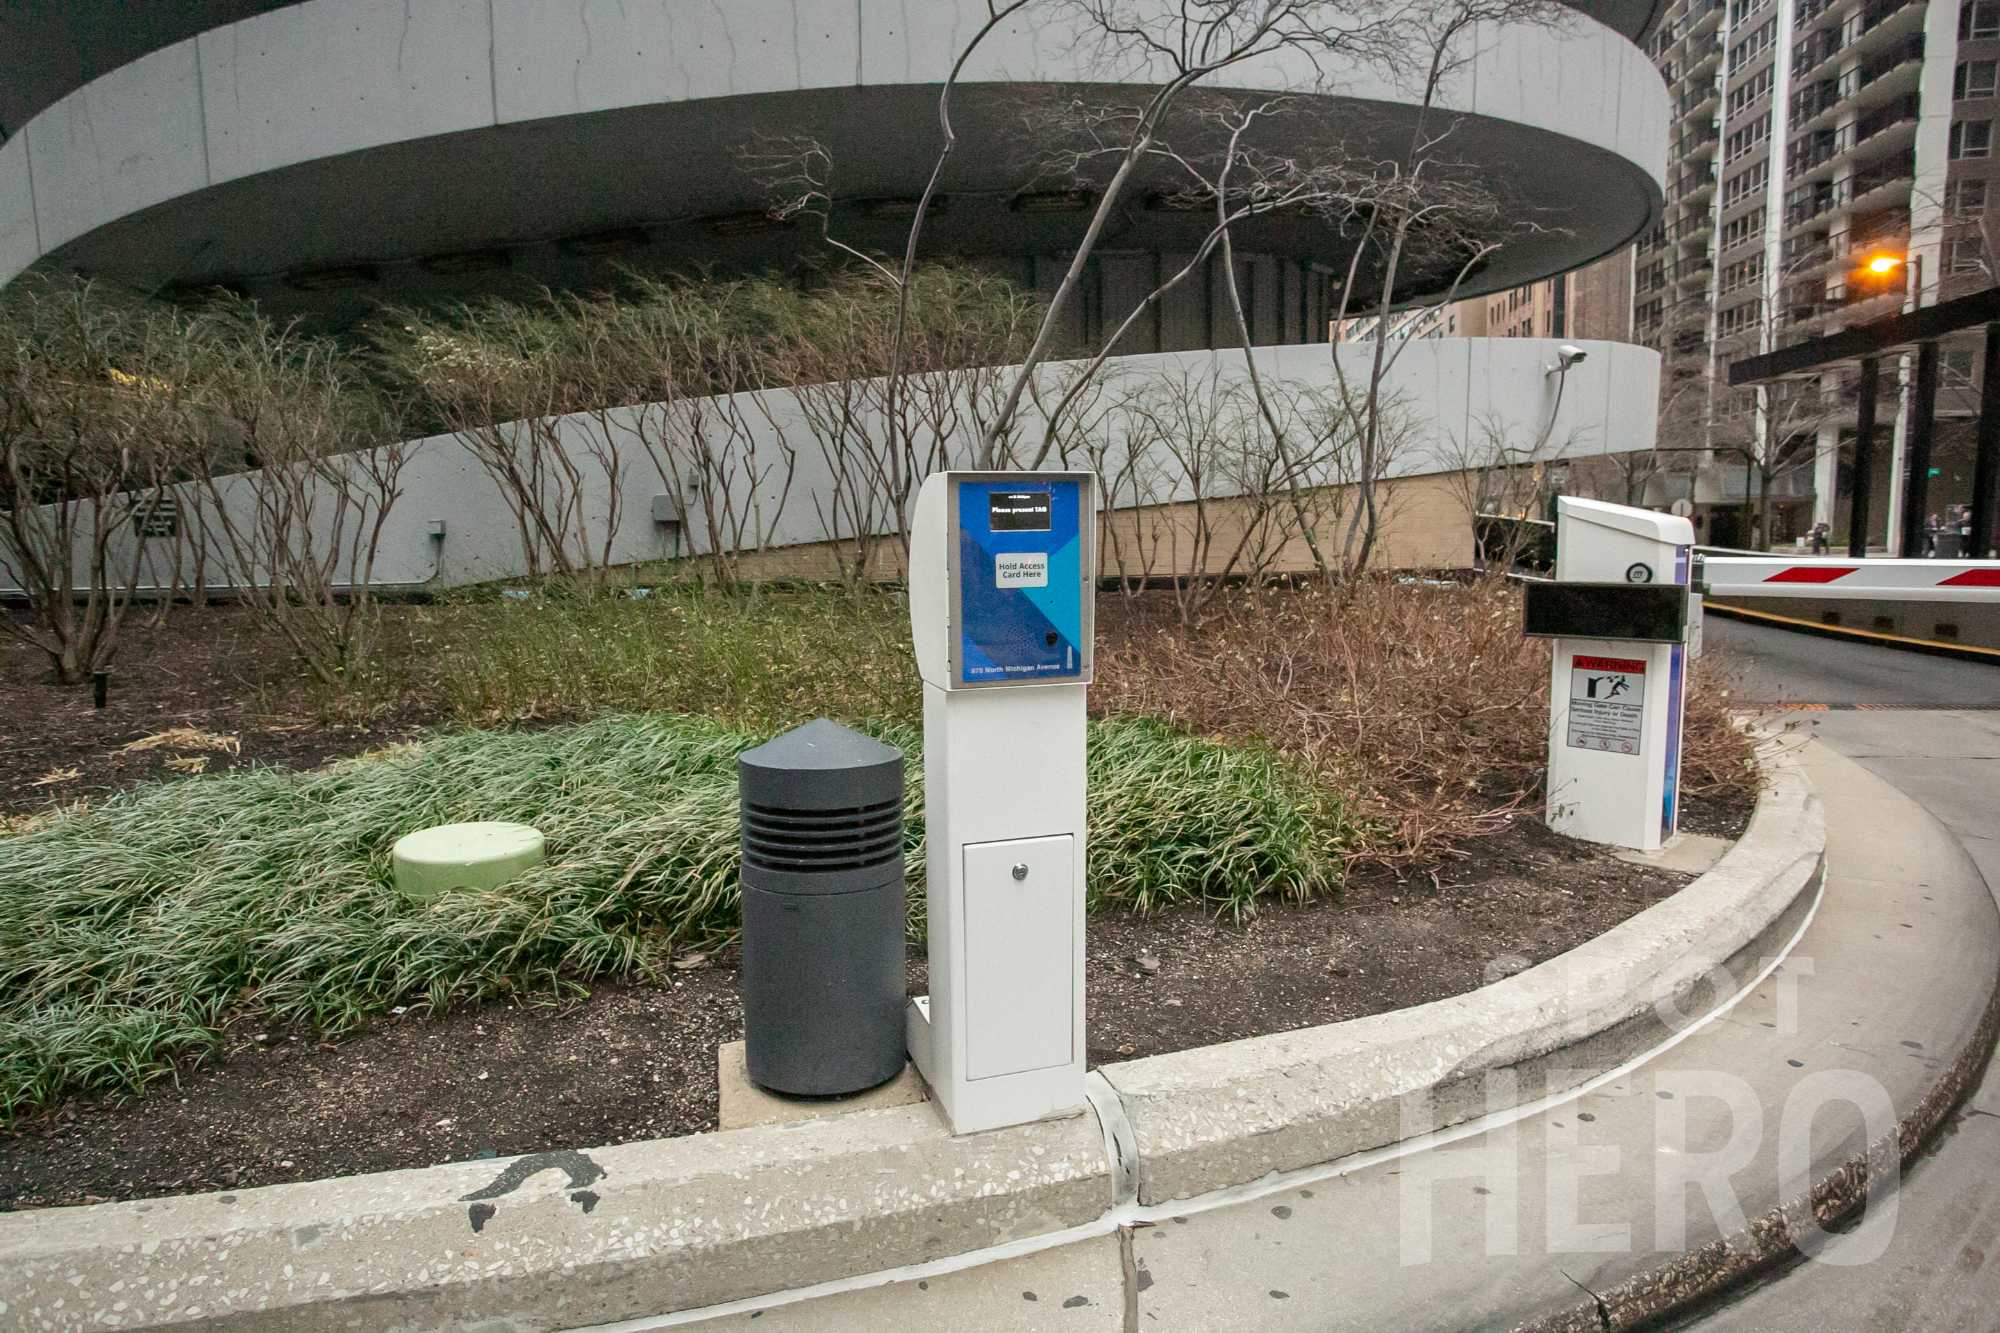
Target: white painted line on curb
(1121, 1141)
(1130, 1213)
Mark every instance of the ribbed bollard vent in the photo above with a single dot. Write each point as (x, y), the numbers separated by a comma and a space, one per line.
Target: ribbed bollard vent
(822, 836)
(776, 838)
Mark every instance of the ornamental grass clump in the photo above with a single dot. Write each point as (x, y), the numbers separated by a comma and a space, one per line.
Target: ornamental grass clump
(132, 933)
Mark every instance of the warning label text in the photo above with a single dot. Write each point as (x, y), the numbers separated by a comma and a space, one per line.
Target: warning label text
(1607, 703)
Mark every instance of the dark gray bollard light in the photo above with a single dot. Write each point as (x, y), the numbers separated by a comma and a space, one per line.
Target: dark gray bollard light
(823, 988)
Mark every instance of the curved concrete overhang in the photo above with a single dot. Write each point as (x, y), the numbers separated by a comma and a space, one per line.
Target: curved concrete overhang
(332, 154)
(48, 51)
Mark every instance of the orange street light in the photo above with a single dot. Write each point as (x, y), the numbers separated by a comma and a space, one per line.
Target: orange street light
(1883, 265)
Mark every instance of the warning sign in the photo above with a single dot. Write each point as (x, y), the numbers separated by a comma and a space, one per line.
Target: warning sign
(1607, 703)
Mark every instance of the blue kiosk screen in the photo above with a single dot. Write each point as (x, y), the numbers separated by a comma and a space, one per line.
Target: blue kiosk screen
(1020, 581)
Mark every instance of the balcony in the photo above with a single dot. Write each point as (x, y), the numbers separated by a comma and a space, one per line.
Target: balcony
(1813, 103)
(1748, 239)
(1814, 201)
(1808, 153)
(1742, 282)
(1812, 13)
(1899, 111)
(1875, 231)
(1882, 183)
(1865, 190)
(1887, 127)
(1876, 27)
(1697, 185)
(1806, 254)
(1882, 22)
(1698, 142)
(1892, 71)
(1693, 274)
(1701, 102)
(1817, 48)
(1858, 307)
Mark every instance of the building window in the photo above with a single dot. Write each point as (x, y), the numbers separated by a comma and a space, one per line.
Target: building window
(1736, 319)
(1742, 274)
(1966, 254)
(1755, 44)
(1743, 140)
(1755, 87)
(1979, 19)
(1745, 182)
(1967, 197)
(1738, 230)
(1971, 138)
(1973, 78)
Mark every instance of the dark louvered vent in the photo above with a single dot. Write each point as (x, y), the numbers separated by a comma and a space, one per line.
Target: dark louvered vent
(853, 838)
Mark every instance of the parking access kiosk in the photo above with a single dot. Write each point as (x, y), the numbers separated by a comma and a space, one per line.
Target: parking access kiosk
(1616, 694)
(1002, 578)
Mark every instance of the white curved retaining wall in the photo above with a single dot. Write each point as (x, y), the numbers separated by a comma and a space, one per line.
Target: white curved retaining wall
(328, 77)
(1451, 389)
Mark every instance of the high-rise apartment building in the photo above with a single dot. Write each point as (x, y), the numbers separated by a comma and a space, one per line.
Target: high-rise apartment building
(1594, 301)
(1828, 165)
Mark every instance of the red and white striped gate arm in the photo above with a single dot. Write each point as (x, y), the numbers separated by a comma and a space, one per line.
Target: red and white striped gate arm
(1731, 576)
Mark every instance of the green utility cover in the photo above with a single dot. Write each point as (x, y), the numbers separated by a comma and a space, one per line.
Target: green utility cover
(434, 861)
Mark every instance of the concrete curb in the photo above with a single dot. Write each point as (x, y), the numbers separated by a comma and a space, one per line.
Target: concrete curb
(1219, 1116)
(564, 1239)
(557, 1239)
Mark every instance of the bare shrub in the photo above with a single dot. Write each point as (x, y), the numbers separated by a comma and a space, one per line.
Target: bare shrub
(1427, 702)
(726, 462)
(297, 500)
(884, 416)
(1496, 472)
(97, 418)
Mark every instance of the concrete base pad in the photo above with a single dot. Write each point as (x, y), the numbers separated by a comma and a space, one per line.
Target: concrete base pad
(743, 1103)
(1690, 853)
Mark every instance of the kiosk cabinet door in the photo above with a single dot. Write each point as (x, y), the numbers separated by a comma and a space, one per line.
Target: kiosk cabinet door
(1020, 897)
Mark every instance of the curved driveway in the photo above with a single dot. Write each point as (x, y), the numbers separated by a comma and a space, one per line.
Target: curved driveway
(1930, 727)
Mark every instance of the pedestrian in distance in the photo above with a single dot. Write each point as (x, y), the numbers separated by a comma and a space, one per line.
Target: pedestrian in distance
(1820, 537)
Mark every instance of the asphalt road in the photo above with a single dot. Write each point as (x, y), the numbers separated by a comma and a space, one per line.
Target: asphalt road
(1785, 666)
(1930, 726)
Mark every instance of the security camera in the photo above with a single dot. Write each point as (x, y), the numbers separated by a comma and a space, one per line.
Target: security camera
(1567, 357)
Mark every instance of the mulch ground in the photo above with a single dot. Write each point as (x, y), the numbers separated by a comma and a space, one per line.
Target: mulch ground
(185, 698)
(636, 1061)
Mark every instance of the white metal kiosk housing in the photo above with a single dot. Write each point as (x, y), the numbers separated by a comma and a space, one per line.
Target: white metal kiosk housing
(1002, 581)
(1615, 705)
